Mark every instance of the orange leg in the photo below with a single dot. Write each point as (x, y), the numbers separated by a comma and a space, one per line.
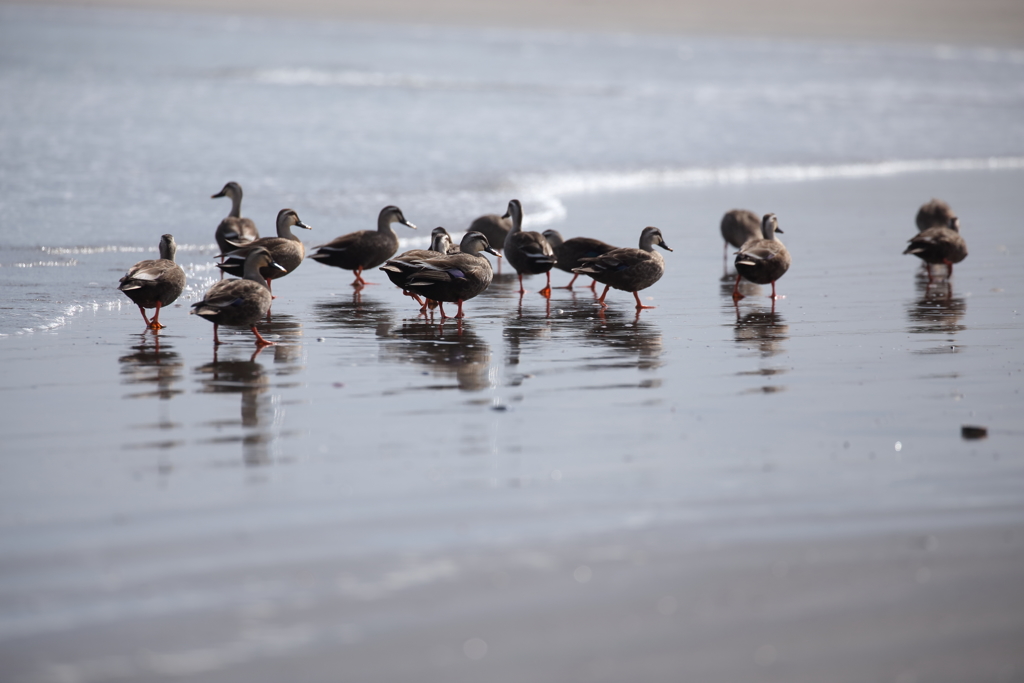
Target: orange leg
(546, 292)
(736, 296)
(260, 341)
(460, 314)
(444, 316)
(216, 342)
(593, 285)
(144, 317)
(773, 291)
(640, 306)
(522, 290)
(949, 264)
(154, 324)
(603, 295)
(569, 286)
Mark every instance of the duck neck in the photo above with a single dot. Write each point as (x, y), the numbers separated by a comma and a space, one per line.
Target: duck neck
(384, 222)
(284, 229)
(236, 205)
(252, 272)
(167, 250)
(516, 214)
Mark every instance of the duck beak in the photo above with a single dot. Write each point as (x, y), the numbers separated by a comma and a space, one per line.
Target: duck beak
(778, 229)
(302, 225)
(665, 246)
(277, 265)
(490, 250)
(507, 215)
(408, 224)
(219, 194)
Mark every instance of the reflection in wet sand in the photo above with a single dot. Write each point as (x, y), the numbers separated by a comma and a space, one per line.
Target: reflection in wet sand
(248, 378)
(152, 363)
(524, 326)
(358, 312)
(449, 350)
(261, 414)
(627, 333)
(762, 330)
(936, 311)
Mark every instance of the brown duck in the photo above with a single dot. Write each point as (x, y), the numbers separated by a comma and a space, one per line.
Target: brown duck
(570, 253)
(939, 245)
(286, 249)
(234, 231)
(627, 269)
(240, 302)
(455, 277)
(527, 252)
(155, 283)
(364, 249)
(762, 260)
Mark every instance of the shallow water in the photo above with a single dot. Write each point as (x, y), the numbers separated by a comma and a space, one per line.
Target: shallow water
(543, 491)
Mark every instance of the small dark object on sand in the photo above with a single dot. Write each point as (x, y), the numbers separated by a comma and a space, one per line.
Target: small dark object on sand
(973, 432)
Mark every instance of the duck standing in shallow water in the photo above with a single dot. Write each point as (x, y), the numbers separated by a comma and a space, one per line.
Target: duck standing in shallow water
(440, 245)
(527, 252)
(240, 302)
(762, 260)
(570, 253)
(738, 227)
(364, 249)
(938, 244)
(456, 277)
(286, 250)
(234, 231)
(628, 269)
(155, 283)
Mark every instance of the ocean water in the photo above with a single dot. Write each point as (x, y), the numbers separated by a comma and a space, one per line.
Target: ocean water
(544, 491)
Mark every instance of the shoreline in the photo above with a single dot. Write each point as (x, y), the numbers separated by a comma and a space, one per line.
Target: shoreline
(985, 23)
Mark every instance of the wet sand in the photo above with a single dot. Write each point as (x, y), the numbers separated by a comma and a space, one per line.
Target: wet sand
(958, 22)
(706, 491)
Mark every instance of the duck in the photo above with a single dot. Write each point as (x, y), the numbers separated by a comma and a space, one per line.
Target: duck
(527, 252)
(455, 277)
(155, 283)
(738, 227)
(286, 249)
(440, 245)
(234, 231)
(934, 214)
(939, 244)
(364, 249)
(762, 260)
(569, 252)
(241, 302)
(628, 269)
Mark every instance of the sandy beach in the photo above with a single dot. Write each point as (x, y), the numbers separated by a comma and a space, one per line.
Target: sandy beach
(708, 490)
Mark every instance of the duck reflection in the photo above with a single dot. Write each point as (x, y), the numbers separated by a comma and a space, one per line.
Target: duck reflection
(452, 350)
(249, 378)
(357, 312)
(152, 367)
(523, 327)
(762, 331)
(624, 332)
(936, 311)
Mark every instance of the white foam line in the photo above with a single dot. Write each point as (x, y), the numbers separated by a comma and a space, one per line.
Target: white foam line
(548, 191)
(586, 183)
